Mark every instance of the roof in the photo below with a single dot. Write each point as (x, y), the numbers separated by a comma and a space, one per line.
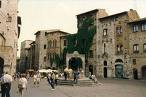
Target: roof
(138, 21)
(114, 15)
(92, 11)
(51, 31)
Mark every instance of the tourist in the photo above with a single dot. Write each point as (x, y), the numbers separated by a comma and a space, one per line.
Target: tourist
(52, 80)
(6, 81)
(35, 79)
(38, 79)
(22, 85)
(65, 75)
(76, 76)
(56, 78)
(49, 78)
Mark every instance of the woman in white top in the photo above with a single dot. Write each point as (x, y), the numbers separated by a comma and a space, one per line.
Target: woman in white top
(22, 85)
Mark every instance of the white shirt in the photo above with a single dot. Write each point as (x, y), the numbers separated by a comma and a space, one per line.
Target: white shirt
(6, 78)
(23, 82)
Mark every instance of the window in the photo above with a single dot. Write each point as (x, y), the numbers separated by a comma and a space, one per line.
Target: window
(55, 43)
(104, 32)
(48, 56)
(91, 53)
(104, 46)
(44, 46)
(143, 27)
(135, 48)
(45, 59)
(65, 43)
(0, 3)
(144, 47)
(49, 44)
(119, 49)
(9, 18)
(46, 33)
(135, 28)
(134, 61)
(119, 30)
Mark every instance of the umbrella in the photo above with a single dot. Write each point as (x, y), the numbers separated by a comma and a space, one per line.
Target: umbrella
(49, 70)
(43, 70)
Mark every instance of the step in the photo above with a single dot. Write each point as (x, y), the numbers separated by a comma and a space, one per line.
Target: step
(65, 82)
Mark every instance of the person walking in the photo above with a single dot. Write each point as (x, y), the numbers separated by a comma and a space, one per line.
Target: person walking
(6, 81)
(22, 85)
(49, 78)
(76, 76)
(38, 79)
(56, 78)
(52, 80)
(34, 79)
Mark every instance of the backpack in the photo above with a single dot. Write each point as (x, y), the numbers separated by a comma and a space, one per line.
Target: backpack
(53, 76)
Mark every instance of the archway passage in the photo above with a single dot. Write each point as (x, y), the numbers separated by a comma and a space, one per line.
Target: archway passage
(135, 73)
(91, 69)
(75, 63)
(119, 70)
(105, 72)
(1, 66)
(119, 60)
(143, 69)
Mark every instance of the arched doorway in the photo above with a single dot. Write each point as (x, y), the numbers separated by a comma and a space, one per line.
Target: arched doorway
(119, 70)
(91, 69)
(135, 73)
(143, 71)
(1, 66)
(105, 72)
(75, 63)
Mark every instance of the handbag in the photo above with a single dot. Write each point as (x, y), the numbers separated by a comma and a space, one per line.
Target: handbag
(20, 86)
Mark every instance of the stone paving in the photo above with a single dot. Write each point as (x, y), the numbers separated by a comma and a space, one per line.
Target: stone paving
(108, 88)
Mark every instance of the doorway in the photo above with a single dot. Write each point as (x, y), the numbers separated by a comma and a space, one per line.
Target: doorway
(119, 71)
(1, 66)
(91, 69)
(135, 73)
(143, 70)
(75, 63)
(105, 72)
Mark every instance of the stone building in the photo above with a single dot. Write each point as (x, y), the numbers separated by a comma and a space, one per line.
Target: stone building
(94, 15)
(32, 66)
(54, 46)
(113, 45)
(47, 47)
(25, 56)
(9, 33)
(137, 47)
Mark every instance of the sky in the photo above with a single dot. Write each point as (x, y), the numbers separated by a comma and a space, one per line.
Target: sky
(61, 14)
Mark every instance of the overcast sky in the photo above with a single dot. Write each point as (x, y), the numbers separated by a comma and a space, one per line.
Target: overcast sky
(61, 14)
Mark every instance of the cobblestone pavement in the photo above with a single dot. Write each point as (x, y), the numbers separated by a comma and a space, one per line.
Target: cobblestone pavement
(108, 88)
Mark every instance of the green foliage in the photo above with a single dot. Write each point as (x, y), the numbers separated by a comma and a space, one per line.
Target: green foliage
(71, 43)
(82, 41)
(57, 60)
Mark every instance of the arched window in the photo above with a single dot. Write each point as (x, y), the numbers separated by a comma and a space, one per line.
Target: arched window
(105, 63)
(55, 43)
(50, 44)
